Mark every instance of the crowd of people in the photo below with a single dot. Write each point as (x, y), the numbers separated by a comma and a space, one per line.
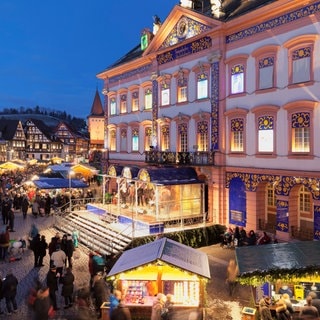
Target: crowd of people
(283, 308)
(238, 236)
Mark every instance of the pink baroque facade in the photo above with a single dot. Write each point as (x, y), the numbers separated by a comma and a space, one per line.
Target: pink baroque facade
(238, 100)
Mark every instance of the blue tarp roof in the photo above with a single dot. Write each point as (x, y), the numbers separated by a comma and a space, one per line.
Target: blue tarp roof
(172, 176)
(59, 183)
(166, 250)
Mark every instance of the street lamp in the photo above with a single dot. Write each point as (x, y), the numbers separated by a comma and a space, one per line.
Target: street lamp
(71, 173)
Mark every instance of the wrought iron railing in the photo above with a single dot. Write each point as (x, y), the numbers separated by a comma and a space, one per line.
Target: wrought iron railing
(204, 158)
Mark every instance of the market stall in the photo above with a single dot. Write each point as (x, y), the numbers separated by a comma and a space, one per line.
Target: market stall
(163, 266)
(275, 269)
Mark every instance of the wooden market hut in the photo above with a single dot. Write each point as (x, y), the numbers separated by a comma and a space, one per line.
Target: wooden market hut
(269, 268)
(162, 266)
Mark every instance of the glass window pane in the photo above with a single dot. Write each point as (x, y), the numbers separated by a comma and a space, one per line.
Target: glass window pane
(202, 90)
(237, 83)
(265, 141)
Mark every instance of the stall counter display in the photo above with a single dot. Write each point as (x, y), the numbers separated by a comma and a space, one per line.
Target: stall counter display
(184, 293)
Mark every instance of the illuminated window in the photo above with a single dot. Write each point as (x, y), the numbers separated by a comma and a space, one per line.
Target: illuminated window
(165, 96)
(237, 74)
(202, 86)
(202, 135)
(147, 138)
(182, 93)
(304, 201)
(265, 134)
(182, 85)
(300, 123)
(165, 138)
(148, 99)
(123, 103)
(135, 139)
(271, 196)
(113, 140)
(237, 131)
(113, 106)
(237, 79)
(135, 101)
(183, 137)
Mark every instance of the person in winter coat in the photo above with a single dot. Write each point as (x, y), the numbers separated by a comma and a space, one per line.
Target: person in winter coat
(33, 231)
(42, 304)
(24, 205)
(35, 247)
(265, 313)
(58, 258)
(52, 283)
(4, 243)
(11, 218)
(121, 312)
(158, 306)
(83, 305)
(67, 287)
(9, 289)
(100, 293)
(68, 247)
(35, 208)
(17, 200)
(43, 246)
(6, 205)
(232, 273)
(47, 206)
(56, 240)
(114, 300)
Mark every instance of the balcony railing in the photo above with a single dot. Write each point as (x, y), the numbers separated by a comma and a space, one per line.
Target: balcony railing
(202, 158)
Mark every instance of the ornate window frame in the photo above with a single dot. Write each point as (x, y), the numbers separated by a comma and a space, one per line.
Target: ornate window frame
(266, 58)
(299, 48)
(300, 115)
(266, 119)
(237, 70)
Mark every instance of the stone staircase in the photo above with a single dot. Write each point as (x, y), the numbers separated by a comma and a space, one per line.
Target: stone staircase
(96, 232)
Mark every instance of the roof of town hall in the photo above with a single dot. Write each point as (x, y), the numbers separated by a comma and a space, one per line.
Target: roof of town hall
(229, 10)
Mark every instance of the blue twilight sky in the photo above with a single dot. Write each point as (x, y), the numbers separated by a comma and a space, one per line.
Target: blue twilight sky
(51, 51)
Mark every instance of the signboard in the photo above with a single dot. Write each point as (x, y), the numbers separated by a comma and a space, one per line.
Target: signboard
(262, 291)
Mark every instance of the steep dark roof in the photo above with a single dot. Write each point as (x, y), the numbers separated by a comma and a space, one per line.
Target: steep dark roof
(8, 128)
(47, 131)
(133, 54)
(97, 109)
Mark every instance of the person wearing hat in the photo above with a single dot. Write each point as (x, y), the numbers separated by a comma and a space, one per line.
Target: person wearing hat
(264, 311)
(52, 283)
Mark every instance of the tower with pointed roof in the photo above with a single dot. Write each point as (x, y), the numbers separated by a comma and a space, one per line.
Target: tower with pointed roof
(96, 123)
